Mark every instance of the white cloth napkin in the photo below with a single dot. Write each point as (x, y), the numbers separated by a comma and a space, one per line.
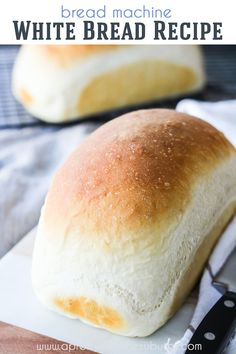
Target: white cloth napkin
(28, 158)
(222, 115)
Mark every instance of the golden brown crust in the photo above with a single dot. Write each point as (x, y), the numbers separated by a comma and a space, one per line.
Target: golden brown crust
(91, 311)
(131, 172)
(158, 79)
(26, 97)
(67, 54)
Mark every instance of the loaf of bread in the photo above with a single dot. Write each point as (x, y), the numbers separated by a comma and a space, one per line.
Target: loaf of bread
(131, 218)
(62, 83)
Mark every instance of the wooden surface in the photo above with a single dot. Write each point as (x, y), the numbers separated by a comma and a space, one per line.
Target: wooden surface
(15, 340)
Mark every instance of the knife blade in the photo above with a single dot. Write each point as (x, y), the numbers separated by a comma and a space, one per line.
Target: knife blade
(217, 326)
(225, 279)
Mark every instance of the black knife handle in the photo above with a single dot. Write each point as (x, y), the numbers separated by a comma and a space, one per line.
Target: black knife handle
(215, 329)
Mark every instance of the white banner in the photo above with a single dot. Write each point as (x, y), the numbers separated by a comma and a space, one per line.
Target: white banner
(118, 22)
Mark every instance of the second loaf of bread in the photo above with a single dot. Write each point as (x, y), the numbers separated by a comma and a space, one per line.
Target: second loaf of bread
(61, 83)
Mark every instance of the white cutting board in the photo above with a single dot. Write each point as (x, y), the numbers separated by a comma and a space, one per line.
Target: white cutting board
(20, 307)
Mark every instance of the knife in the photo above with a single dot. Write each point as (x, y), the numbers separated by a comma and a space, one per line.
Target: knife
(214, 331)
